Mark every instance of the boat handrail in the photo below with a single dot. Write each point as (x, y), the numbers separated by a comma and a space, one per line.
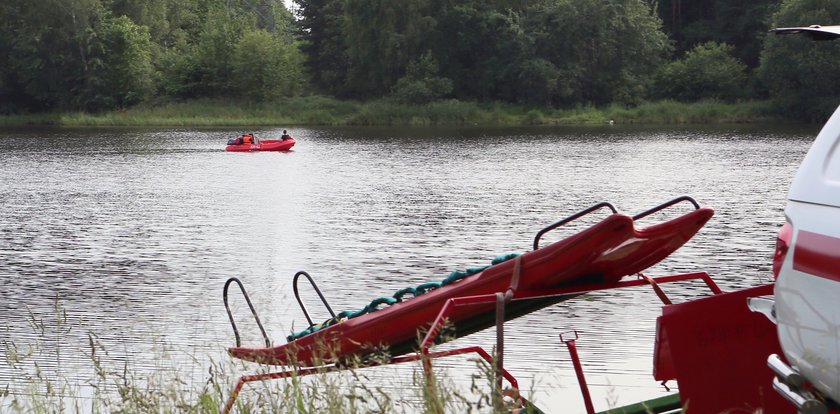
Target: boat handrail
(571, 218)
(300, 302)
(666, 205)
(250, 305)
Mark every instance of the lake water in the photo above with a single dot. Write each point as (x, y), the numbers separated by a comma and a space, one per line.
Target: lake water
(131, 234)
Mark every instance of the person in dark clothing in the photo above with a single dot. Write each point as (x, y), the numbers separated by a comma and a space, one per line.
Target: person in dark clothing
(285, 135)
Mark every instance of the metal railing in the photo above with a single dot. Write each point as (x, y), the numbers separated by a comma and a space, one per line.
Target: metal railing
(250, 305)
(300, 302)
(569, 219)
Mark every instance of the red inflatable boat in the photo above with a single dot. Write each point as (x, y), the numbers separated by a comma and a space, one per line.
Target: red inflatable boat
(603, 253)
(262, 145)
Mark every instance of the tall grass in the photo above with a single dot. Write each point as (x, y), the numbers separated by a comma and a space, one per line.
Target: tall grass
(112, 385)
(316, 110)
(672, 112)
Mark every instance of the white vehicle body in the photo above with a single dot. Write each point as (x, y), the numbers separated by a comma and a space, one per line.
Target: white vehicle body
(807, 266)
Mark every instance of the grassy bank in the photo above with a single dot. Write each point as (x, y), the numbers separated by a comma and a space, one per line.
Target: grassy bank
(111, 386)
(45, 375)
(315, 111)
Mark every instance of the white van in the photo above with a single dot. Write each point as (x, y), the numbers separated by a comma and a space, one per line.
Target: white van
(807, 268)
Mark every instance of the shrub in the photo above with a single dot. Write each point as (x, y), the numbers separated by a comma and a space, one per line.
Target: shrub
(421, 85)
(709, 71)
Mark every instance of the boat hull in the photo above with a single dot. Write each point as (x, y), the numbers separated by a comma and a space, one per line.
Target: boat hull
(263, 145)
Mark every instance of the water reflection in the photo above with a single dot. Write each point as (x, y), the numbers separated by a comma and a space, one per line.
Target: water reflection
(135, 231)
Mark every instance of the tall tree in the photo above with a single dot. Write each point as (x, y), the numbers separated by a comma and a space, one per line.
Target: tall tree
(149, 13)
(741, 24)
(382, 37)
(264, 67)
(104, 54)
(421, 83)
(601, 52)
(322, 30)
(479, 44)
(125, 76)
(800, 74)
(51, 58)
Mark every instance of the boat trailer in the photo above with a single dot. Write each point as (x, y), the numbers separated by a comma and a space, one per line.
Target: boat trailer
(452, 305)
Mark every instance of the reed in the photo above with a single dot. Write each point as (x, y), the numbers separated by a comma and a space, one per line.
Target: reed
(30, 119)
(702, 112)
(111, 385)
(317, 110)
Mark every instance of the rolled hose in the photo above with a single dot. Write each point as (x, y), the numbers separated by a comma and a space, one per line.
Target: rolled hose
(398, 296)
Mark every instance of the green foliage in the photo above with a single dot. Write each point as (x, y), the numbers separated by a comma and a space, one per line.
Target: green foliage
(382, 37)
(126, 77)
(445, 112)
(52, 58)
(233, 57)
(534, 117)
(798, 72)
(151, 14)
(319, 110)
(742, 24)
(709, 71)
(256, 65)
(322, 26)
(602, 52)
(69, 55)
(177, 73)
(545, 52)
(421, 85)
(539, 82)
(479, 46)
(214, 53)
(98, 55)
(706, 111)
(296, 78)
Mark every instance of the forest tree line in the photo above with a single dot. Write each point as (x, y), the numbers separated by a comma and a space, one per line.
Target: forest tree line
(102, 55)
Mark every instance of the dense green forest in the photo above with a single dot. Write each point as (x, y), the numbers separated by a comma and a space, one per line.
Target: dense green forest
(106, 55)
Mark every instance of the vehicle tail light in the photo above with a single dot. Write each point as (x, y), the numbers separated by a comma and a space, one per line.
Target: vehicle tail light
(782, 246)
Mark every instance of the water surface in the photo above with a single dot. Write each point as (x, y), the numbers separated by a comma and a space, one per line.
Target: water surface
(132, 233)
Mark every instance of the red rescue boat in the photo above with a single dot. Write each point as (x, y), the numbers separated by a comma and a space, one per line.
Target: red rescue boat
(244, 144)
(602, 254)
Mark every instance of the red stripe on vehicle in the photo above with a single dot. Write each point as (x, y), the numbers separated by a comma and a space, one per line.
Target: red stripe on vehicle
(818, 255)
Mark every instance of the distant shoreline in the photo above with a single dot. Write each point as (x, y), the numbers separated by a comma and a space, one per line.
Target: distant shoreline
(322, 111)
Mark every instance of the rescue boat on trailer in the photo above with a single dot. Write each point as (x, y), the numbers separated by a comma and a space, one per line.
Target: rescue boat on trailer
(600, 255)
